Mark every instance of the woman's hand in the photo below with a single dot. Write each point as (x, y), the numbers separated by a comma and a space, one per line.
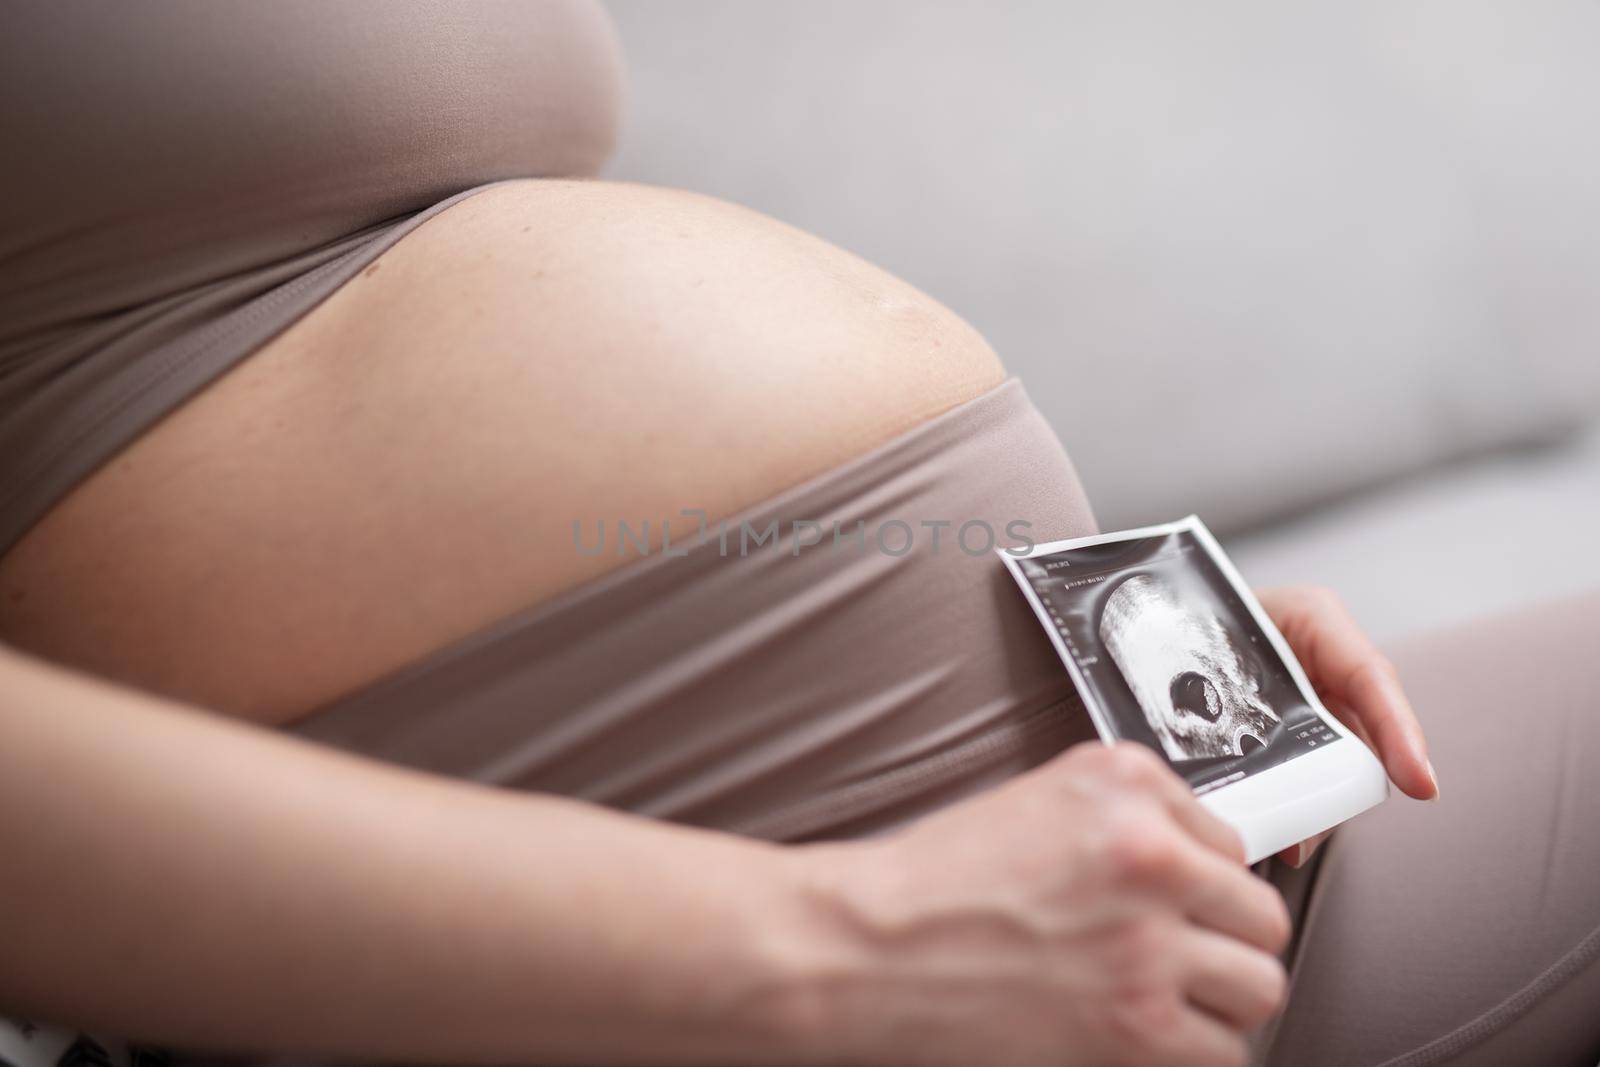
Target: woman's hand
(1088, 912)
(1357, 683)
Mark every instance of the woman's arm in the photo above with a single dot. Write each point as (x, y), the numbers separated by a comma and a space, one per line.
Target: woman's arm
(175, 876)
(188, 880)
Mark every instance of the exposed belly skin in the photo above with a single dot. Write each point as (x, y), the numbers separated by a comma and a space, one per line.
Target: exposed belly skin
(404, 465)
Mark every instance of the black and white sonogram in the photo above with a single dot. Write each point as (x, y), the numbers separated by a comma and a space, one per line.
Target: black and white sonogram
(1168, 653)
(1185, 671)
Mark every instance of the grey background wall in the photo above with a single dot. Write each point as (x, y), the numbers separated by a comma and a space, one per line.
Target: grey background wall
(1249, 257)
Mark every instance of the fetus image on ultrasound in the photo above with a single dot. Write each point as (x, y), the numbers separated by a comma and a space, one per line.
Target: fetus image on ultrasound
(1186, 671)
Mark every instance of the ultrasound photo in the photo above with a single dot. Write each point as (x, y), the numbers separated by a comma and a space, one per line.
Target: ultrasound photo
(1166, 649)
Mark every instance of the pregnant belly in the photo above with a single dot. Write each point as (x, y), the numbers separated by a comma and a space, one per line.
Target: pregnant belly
(406, 463)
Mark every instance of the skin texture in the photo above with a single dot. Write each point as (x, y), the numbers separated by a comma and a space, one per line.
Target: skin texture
(405, 464)
(253, 555)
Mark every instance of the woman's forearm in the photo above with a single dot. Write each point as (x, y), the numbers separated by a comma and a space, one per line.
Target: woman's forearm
(185, 879)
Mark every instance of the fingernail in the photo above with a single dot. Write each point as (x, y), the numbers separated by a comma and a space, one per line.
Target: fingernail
(1434, 778)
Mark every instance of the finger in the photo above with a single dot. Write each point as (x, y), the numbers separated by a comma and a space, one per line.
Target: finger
(1206, 828)
(1240, 985)
(1198, 1039)
(1348, 717)
(1179, 800)
(1374, 697)
(1297, 855)
(1345, 665)
(1230, 900)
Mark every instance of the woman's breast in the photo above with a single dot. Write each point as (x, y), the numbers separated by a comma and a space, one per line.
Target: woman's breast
(164, 145)
(407, 463)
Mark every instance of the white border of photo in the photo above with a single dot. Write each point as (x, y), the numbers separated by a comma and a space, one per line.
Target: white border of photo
(1275, 807)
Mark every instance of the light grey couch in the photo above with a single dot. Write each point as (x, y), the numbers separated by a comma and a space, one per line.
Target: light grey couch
(1327, 274)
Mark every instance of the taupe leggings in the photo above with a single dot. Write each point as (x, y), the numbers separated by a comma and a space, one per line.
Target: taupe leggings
(1467, 930)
